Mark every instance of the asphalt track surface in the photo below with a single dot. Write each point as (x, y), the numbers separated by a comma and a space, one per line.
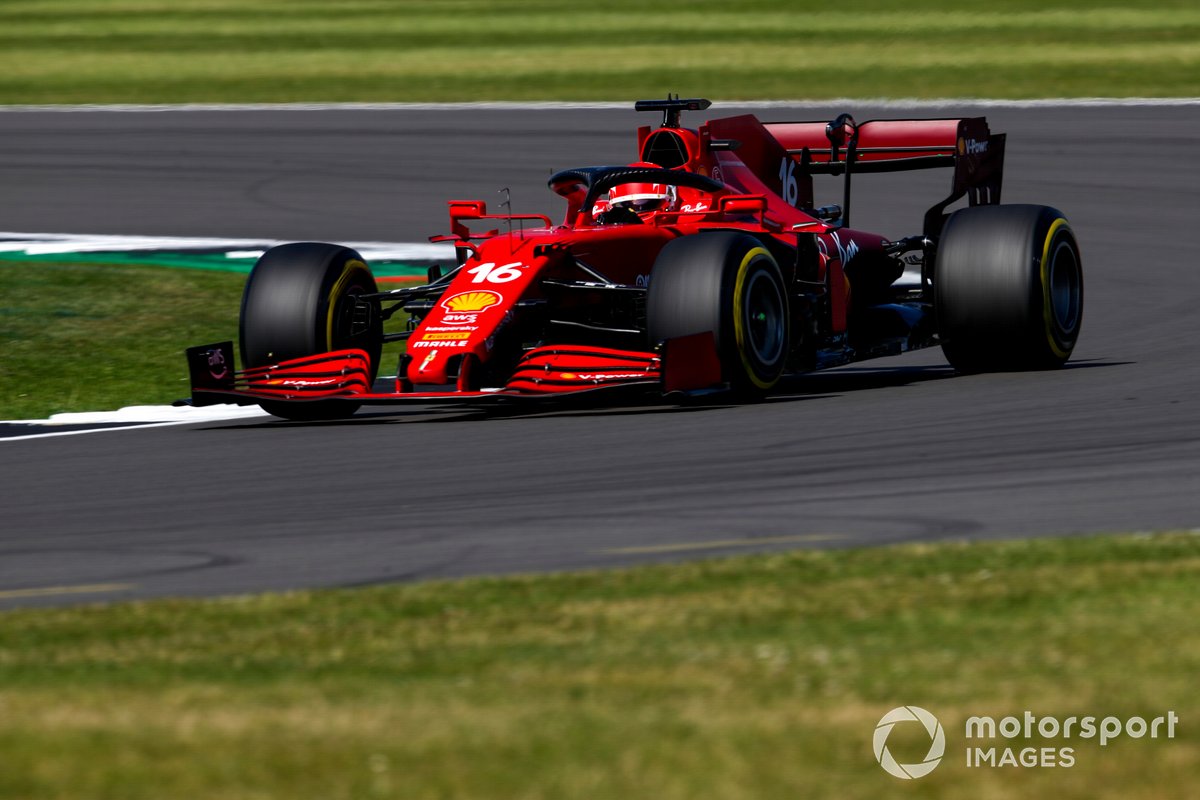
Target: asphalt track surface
(899, 449)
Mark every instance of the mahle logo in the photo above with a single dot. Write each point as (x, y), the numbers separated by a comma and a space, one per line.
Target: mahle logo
(937, 746)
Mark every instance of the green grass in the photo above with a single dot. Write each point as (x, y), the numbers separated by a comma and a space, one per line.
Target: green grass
(753, 677)
(100, 51)
(97, 337)
(87, 337)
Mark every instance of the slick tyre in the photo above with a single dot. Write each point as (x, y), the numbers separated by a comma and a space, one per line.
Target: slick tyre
(1008, 289)
(299, 301)
(728, 283)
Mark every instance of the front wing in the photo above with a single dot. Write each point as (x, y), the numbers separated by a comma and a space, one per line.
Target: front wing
(687, 365)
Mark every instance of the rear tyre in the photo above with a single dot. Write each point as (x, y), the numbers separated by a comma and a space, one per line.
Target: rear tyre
(727, 283)
(300, 301)
(1008, 288)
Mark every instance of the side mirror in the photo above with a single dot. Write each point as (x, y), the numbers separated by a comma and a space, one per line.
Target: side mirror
(742, 204)
(830, 213)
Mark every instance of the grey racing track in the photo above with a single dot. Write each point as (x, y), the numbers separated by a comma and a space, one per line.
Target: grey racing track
(894, 450)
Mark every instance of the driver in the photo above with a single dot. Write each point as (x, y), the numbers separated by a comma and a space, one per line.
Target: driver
(642, 198)
(629, 201)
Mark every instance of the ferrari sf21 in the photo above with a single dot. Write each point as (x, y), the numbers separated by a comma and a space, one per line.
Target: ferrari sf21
(702, 266)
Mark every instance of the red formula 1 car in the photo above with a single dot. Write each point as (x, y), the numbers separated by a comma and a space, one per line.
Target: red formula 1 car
(701, 267)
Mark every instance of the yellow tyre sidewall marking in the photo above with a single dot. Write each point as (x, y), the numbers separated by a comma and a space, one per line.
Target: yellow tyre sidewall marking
(739, 327)
(348, 271)
(1047, 308)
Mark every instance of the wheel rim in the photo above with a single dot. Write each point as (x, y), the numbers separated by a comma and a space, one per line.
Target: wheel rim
(1065, 283)
(764, 319)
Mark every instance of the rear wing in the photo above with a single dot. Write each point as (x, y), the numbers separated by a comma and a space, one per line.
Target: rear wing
(785, 155)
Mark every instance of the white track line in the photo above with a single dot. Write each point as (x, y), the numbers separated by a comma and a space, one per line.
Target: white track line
(65, 243)
(873, 102)
(137, 417)
(155, 414)
(97, 430)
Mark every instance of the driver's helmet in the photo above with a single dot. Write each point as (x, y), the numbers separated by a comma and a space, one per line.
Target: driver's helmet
(642, 198)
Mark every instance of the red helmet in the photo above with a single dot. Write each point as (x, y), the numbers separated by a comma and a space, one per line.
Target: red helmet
(642, 197)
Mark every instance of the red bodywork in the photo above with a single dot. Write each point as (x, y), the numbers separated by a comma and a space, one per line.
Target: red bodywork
(472, 338)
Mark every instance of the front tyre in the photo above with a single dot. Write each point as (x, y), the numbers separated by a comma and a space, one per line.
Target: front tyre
(1008, 288)
(301, 300)
(728, 283)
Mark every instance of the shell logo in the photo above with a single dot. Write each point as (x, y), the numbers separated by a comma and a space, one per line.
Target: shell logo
(471, 301)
